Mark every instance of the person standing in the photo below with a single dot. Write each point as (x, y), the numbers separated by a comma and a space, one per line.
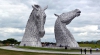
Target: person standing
(81, 51)
(85, 51)
(90, 51)
(97, 49)
(65, 47)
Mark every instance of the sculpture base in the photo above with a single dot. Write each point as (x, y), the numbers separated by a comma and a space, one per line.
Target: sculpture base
(32, 44)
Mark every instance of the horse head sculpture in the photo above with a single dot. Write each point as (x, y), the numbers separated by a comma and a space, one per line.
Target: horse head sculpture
(62, 34)
(35, 27)
(69, 16)
(40, 17)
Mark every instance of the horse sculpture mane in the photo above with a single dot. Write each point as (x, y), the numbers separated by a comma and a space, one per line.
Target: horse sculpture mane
(62, 34)
(35, 27)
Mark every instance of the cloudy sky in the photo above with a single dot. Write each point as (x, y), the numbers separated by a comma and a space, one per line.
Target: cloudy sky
(15, 13)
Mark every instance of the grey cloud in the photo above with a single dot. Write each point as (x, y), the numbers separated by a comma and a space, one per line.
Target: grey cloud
(14, 23)
(49, 33)
(94, 3)
(99, 27)
(15, 35)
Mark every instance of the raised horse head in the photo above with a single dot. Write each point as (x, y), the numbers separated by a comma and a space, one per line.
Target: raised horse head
(40, 18)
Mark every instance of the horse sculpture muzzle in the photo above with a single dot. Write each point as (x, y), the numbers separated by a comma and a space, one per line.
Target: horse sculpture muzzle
(41, 33)
(41, 28)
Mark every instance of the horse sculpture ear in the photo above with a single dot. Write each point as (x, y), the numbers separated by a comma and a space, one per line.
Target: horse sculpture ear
(46, 7)
(34, 8)
(56, 15)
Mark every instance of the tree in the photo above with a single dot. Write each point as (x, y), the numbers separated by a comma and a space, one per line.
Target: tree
(10, 41)
(0, 41)
(98, 42)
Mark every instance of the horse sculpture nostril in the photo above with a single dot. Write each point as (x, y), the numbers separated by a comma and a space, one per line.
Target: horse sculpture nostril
(41, 33)
(79, 12)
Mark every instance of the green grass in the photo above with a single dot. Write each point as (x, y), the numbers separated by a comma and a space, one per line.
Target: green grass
(90, 45)
(62, 50)
(48, 49)
(10, 52)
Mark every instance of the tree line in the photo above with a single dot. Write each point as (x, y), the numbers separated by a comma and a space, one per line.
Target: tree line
(14, 41)
(9, 41)
(89, 42)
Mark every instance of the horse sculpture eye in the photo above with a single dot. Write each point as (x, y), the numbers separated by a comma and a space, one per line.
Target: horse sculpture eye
(44, 16)
(37, 16)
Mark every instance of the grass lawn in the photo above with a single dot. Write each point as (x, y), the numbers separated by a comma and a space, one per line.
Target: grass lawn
(10, 52)
(90, 45)
(48, 49)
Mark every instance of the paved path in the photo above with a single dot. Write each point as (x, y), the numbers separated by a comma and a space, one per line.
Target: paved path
(42, 51)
